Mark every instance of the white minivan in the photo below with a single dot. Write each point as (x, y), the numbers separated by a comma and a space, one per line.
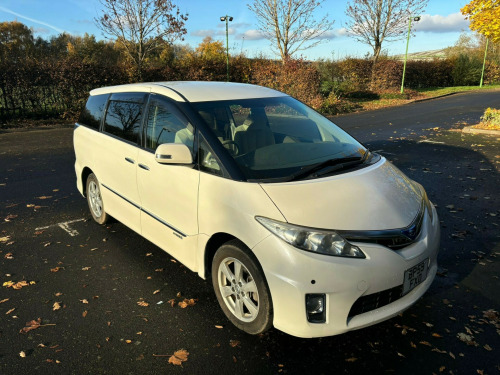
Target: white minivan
(298, 225)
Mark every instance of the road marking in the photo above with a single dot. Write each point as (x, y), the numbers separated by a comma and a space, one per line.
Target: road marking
(64, 226)
(429, 141)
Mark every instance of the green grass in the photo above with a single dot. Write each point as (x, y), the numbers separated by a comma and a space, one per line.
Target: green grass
(438, 91)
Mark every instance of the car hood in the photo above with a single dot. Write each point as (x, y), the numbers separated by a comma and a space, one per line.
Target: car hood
(377, 197)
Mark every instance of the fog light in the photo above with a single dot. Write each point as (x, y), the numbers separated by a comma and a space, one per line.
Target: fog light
(316, 308)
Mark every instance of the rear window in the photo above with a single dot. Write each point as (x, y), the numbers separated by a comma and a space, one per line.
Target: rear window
(92, 113)
(123, 118)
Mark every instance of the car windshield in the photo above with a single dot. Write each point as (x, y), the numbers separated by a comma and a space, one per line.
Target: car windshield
(279, 137)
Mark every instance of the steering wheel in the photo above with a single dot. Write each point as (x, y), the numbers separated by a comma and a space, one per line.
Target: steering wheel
(233, 146)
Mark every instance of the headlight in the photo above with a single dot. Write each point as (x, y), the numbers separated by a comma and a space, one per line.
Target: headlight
(316, 241)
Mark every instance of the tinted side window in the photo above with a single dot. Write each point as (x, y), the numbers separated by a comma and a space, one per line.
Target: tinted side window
(92, 113)
(123, 119)
(207, 161)
(166, 125)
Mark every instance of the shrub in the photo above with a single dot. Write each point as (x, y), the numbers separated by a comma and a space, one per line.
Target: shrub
(466, 71)
(491, 116)
(297, 78)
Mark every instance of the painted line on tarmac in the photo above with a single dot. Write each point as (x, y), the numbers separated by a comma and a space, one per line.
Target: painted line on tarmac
(64, 226)
(433, 142)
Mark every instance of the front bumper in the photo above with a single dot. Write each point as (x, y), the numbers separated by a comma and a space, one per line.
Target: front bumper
(292, 273)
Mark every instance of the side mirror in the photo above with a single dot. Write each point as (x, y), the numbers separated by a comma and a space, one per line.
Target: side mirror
(173, 153)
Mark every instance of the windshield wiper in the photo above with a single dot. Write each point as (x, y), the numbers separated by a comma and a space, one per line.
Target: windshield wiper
(326, 167)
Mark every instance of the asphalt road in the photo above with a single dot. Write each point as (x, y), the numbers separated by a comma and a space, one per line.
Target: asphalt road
(97, 275)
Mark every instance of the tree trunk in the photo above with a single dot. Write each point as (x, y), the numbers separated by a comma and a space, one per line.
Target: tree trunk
(376, 53)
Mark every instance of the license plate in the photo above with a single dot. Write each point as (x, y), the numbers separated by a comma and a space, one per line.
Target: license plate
(414, 276)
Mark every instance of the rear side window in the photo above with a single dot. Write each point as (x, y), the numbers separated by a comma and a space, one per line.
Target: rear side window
(123, 118)
(92, 113)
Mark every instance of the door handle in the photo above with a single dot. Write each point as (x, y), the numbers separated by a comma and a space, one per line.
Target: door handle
(130, 160)
(145, 167)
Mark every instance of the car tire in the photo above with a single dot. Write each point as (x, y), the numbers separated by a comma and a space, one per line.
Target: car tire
(94, 199)
(241, 288)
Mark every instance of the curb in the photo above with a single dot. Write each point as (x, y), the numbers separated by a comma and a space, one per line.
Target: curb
(472, 130)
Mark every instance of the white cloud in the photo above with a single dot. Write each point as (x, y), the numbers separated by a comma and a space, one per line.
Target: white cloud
(212, 33)
(41, 30)
(31, 19)
(332, 34)
(442, 24)
(251, 34)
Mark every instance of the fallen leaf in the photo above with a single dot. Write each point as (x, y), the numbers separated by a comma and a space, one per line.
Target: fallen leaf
(55, 269)
(18, 285)
(425, 343)
(234, 343)
(9, 218)
(84, 314)
(452, 355)
(56, 306)
(352, 359)
(468, 339)
(171, 302)
(219, 327)
(8, 256)
(142, 303)
(439, 351)
(45, 197)
(488, 348)
(58, 294)
(156, 291)
(187, 302)
(33, 324)
(8, 312)
(436, 335)
(86, 268)
(178, 357)
(128, 341)
(4, 239)
(4, 300)
(22, 354)
(442, 368)
(84, 301)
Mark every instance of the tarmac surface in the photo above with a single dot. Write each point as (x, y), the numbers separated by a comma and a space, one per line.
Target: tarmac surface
(98, 274)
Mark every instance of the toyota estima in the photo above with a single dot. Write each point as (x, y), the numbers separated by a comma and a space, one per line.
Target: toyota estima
(296, 223)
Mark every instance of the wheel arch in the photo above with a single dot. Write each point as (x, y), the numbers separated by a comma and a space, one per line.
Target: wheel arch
(85, 174)
(213, 244)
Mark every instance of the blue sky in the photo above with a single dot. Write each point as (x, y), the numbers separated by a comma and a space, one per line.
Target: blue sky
(440, 26)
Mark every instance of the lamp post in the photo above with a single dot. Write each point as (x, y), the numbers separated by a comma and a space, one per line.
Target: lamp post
(227, 19)
(484, 63)
(416, 19)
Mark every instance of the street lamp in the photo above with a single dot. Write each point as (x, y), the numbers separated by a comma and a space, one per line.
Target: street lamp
(227, 19)
(415, 19)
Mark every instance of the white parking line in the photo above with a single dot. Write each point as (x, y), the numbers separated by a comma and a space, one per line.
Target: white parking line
(64, 226)
(433, 142)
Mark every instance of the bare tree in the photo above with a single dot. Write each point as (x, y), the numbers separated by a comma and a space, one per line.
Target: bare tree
(290, 25)
(374, 21)
(141, 26)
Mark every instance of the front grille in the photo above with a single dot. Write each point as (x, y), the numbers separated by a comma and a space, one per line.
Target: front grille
(375, 300)
(394, 239)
